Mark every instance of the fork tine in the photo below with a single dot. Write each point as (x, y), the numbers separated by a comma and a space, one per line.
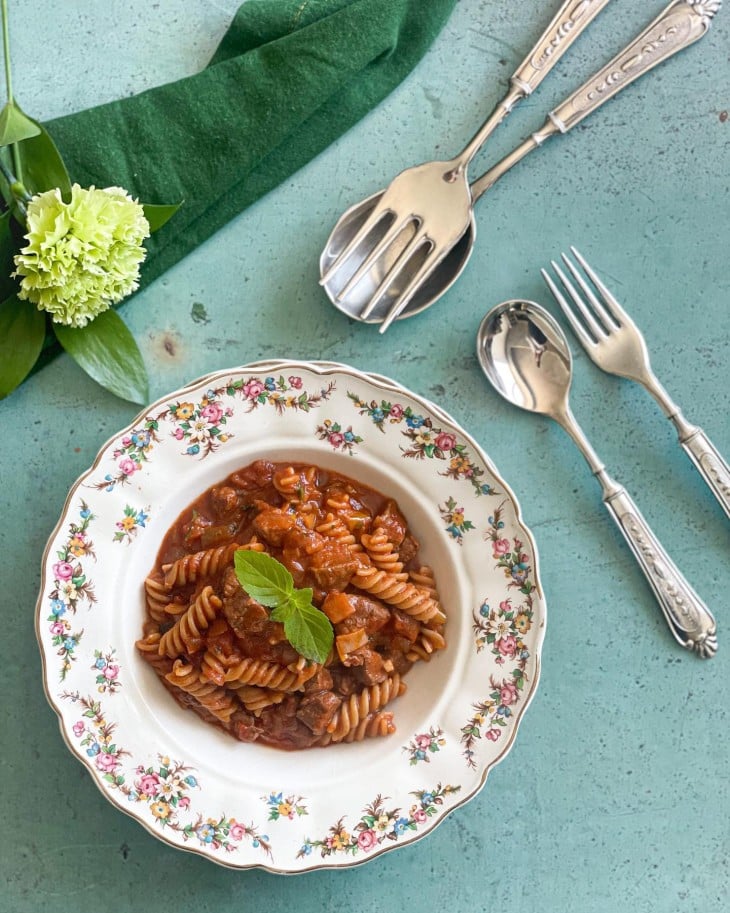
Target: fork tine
(578, 327)
(376, 216)
(590, 320)
(422, 273)
(598, 308)
(388, 238)
(612, 306)
(405, 255)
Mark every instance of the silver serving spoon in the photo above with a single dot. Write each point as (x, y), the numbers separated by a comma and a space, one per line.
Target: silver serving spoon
(392, 285)
(526, 357)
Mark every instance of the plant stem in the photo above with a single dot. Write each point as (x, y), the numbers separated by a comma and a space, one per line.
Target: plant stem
(9, 80)
(6, 50)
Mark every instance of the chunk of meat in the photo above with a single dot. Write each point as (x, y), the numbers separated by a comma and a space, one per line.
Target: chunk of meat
(392, 522)
(322, 681)
(298, 545)
(244, 614)
(316, 710)
(224, 501)
(273, 524)
(257, 475)
(371, 669)
(333, 566)
(408, 549)
(368, 614)
(405, 625)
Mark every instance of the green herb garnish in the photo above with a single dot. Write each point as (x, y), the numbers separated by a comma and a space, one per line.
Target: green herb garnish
(267, 581)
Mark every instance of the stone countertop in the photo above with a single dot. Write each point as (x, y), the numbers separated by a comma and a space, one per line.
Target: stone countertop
(615, 795)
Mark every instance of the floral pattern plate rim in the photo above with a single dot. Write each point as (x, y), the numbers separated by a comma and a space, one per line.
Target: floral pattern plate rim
(246, 806)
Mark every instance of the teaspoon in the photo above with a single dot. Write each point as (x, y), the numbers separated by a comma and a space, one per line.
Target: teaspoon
(525, 356)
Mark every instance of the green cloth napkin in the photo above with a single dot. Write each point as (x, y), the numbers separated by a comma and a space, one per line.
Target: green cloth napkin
(288, 78)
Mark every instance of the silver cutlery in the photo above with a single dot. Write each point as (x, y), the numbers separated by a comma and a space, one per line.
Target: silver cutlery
(395, 253)
(525, 356)
(433, 199)
(614, 343)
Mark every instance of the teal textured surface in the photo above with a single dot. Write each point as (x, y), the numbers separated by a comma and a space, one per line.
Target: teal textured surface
(615, 795)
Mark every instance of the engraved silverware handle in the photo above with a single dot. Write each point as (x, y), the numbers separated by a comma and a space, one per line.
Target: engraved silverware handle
(689, 619)
(681, 24)
(571, 20)
(573, 17)
(698, 447)
(710, 464)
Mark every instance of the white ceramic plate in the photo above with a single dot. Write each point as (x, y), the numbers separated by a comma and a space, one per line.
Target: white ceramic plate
(246, 805)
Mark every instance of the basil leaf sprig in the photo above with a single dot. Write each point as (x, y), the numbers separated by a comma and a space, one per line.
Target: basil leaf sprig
(267, 581)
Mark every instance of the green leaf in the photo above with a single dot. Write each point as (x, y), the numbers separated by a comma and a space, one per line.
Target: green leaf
(284, 611)
(41, 164)
(7, 252)
(107, 351)
(22, 331)
(310, 632)
(16, 126)
(158, 215)
(263, 577)
(303, 598)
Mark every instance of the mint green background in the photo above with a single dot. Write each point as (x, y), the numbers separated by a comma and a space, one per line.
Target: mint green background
(615, 796)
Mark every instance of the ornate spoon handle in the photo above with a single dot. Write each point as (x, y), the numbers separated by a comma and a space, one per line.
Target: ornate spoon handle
(689, 619)
(682, 23)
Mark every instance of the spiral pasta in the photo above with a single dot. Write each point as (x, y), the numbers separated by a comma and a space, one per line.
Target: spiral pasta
(383, 553)
(334, 528)
(256, 699)
(377, 723)
(157, 597)
(215, 700)
(428, 642)
(423, 577)
(149, 648)
(268, 675)
(358, 706)
(220, 652)
(185, 636)
(396, 592)
(190, 568)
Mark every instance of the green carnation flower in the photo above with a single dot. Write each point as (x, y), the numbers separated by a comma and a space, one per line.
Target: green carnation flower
(82, 256)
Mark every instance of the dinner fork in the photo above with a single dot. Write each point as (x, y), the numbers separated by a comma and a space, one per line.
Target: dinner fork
(614, 343)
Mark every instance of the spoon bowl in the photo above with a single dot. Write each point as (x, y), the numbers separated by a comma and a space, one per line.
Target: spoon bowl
(354, 303)
(526, 356)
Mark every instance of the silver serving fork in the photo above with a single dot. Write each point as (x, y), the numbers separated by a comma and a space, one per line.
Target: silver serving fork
(614, 342)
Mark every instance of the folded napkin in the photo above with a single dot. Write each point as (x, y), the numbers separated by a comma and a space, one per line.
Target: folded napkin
(288, 78)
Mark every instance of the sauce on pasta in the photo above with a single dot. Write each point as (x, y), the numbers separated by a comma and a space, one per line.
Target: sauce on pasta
(219, 653)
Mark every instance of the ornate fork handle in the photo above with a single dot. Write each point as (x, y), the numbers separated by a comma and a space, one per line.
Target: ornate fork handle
(710, 464)
(567, 25)
(689, 619)
(699, 448)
